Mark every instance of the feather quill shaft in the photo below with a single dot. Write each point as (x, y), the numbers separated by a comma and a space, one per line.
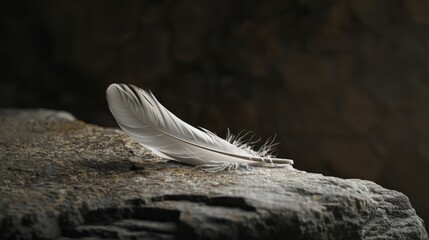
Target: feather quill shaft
(149, 123)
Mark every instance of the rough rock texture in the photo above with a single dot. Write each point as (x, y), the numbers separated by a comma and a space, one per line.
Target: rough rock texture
(62, 178)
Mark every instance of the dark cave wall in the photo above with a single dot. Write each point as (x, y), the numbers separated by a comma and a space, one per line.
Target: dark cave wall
(344, 84)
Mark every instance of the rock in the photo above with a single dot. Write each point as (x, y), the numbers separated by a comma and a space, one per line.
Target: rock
(61, 178)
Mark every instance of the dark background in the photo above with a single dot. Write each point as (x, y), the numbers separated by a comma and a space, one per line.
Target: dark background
(344, 84)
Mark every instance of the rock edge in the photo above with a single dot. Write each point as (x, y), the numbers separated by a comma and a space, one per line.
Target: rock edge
(64, 179)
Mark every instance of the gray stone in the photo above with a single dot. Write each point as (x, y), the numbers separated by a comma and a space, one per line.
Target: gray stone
(61, 178)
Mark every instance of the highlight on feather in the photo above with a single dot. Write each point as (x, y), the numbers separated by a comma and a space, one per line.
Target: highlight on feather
(149, 123)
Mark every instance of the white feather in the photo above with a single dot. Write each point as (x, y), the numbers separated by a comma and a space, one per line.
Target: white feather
(145, 120)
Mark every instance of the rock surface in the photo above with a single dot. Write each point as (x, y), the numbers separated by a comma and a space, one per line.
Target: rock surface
(61, 178)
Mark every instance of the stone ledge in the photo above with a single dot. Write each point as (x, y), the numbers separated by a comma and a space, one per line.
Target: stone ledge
(61, 178)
